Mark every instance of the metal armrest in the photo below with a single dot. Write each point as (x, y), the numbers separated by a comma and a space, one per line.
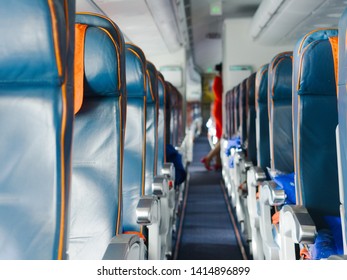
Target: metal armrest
(125, 247)
(259, 174)
(148, 214)
(302, 228)
(147, 210)
(160, 186)
(168, 171)
(247, 165)
(255, 176)
(297, 226)
(271, 194)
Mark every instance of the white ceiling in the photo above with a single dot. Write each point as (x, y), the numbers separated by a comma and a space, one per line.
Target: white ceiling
(208, 51)
(135, 19)
(142, 22)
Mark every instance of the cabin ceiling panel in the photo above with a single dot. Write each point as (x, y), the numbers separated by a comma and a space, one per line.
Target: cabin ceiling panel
(136, 21)
(281, 22)
(206, 29)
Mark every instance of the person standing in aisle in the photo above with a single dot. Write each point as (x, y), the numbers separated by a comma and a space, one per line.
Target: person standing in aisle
(218, 118)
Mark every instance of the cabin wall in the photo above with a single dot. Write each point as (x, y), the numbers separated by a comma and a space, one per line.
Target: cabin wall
(240, 50)
(178, 58)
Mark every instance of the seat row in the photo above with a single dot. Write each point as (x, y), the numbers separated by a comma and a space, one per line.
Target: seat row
(280, 157)
(86, 124)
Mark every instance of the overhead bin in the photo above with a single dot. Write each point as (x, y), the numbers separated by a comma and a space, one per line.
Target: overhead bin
(281, 22)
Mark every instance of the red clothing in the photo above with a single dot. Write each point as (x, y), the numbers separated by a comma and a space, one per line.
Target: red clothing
(217, 106)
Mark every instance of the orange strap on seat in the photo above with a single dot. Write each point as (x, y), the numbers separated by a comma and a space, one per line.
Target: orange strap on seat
(334, 42)
(276, 218)
(139, 234)
(305, 254)
(80, 32)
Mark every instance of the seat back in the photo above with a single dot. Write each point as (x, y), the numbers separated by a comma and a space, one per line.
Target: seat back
(173, 114)
(280, 112)
(102, 21)
(243, 112)
(251, 133)
(135, 136)
(96, 193)
(36, 111)
(151, 126)
(342, 118)
(161, 122)
(236, 110)
(315, 121)
(228, 118)
(262, 120)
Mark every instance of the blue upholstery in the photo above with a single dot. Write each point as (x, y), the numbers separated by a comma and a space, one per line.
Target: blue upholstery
(95, 215)
(263, 140)
(229, 116)
(251, 134)
(342, 107)
(36, 111)
(243, 111)
(170, 103)
(174, 103)
(231, 109)
(315, 120)
(102, 21)
(236, 109)
(280, 112)
(161, 122)
(135, 136)
(151, 126)
(179, 117)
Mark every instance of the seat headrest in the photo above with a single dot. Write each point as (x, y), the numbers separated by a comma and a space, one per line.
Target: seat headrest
(136, 66)
(101, 64)
(38, 54)
(115, 34)
(261, 84)
(152, 93)
(251, 89)
(101, 21)
(318, 64)
(342, 80)
(280, 77)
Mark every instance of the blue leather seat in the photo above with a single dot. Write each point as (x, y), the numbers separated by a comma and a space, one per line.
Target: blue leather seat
(280, 112)
(151, 127)
(229, 116)
(36, 111)
(135, 137)
(96, 192)
(281, 148)
(173, 114)
(342, 113)
(315, 120)
(237, 110)
(102, 21)
(257, 174)
(243, 112)
(261, 105)
(161, 122)
(251, 133)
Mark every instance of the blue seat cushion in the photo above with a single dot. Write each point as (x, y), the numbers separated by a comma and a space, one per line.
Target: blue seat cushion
(329, 240)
